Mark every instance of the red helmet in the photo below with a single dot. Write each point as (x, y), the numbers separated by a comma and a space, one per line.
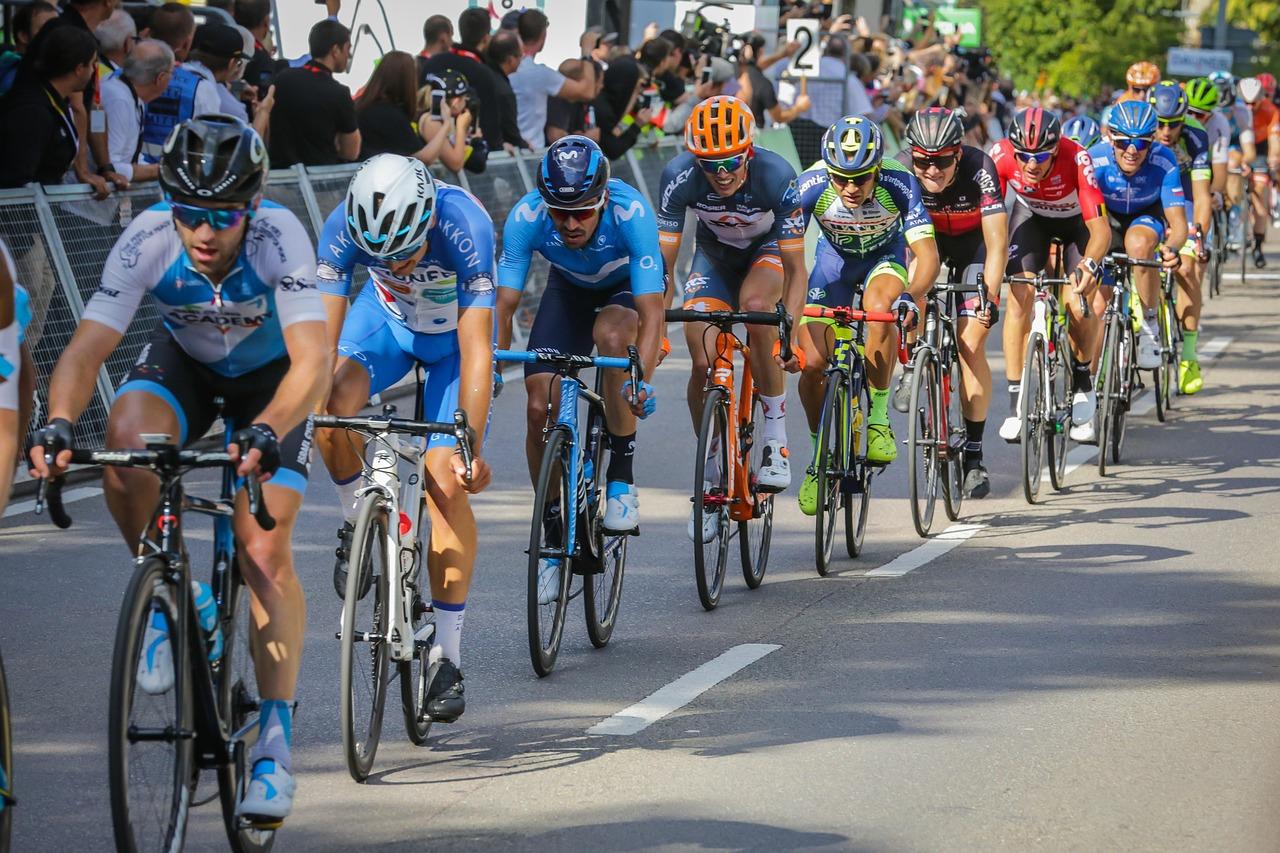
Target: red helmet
(1035, 129)
(1268, 81)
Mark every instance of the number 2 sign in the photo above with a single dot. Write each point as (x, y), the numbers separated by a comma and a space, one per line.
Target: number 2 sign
(805, 61)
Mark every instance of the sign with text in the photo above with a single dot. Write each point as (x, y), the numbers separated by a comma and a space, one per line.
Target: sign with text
(1197, 62)
(805, 61)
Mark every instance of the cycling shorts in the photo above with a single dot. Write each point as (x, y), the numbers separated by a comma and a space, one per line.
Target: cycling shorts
(967, 253)
(1151, 217)
(388, 350)
(163, 369)
(837, 280)
(1030, 236)
(566, 318)
(715, 278)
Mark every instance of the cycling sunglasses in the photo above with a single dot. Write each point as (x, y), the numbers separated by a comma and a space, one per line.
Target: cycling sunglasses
(940, 161)
(192, 217)
(1139, 143)
(1034, 156)
(1198, 115)
(727, 164)
(1172, 122)
(560, 215)
(857, 179)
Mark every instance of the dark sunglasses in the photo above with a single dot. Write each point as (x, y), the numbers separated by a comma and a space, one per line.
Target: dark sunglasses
(1198, 115)
(1139, 143)
(561, 215)
(840, 179)
(1034, 156)
(192, 217)
(727, 164)
(1141, 92)
(940, 161)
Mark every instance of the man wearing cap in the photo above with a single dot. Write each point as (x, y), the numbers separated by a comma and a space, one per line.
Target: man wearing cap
(217, 55)
(721, 73)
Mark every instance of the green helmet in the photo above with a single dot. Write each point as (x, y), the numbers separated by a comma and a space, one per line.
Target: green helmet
(1202, 95)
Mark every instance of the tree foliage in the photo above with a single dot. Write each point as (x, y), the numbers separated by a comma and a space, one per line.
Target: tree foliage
(1082, 47)
(1261, 16)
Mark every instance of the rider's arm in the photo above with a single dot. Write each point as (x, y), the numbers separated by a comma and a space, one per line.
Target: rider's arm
(788, 227)
(640, 232)
(1202, 203)
(474, 268)
(1093, 210)
(1172, 200)
(676, 177)
(917, 229)
(519, 237)
(304, 386)
(475, 388)
(335, 260)
(995, 233)
(74, 379)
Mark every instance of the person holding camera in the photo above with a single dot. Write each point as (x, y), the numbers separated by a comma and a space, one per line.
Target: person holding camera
(452, 114)
(758, 90)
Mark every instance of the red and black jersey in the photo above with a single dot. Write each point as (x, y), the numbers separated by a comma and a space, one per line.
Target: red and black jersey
(972, 194)
(1070, 188)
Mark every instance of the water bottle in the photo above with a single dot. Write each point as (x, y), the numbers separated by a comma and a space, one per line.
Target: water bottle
(207, 614)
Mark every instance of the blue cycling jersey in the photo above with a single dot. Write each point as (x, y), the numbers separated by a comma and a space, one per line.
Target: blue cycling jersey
(895, 209)
(234, 326)
(624, 247)
(1157, 181)
(455, 272)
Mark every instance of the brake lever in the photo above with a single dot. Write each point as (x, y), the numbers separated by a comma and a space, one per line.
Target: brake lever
(462, 432)
(784, 333)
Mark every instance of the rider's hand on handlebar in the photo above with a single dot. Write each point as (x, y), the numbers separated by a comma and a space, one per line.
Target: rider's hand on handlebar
(796, 364)
(256, 450)
(1169, 258)
(907, 310)
(54, 438)
(642, 404)
(1085, 281)
(481, 474)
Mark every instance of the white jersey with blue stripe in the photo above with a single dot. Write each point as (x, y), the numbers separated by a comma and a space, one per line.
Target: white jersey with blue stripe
(232, 327)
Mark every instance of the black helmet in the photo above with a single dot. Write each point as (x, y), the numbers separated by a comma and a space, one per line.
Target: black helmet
(1035, 129)
(214, 158)
(452, 83)
(935, 129)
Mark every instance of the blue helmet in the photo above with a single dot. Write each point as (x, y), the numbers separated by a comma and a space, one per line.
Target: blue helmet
(1082, 130)
(1132, 118)
(853, 144)
(574, 173)
(1169, 99)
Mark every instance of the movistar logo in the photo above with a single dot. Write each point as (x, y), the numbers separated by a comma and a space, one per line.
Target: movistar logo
(626, 215)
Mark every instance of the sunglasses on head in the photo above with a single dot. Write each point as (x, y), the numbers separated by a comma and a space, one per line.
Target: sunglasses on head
(1034, 156)
(939, 161)
(727, 164)
(840, 179)
(582, 214)
(192, 217)
(1139, 143)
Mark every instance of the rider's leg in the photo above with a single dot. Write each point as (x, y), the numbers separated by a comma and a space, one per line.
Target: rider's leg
(816, 339)
(1189, 300)
(883, 287)
(1029, 252)
(616, 328)
(342, 450)
(761, 291)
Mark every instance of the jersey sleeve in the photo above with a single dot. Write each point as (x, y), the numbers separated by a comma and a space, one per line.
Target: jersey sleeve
(519, 237)
(1003, 162)
(640, 234)
(135, 264)
(990, 199)
(1087, 188)
(788, 216)
(471, 248)
(1171, 194)
(677, 178)
(293, 268)
(336, 255)
(812, 184)
(905, 189)
(1198, 148)
(1219, 140)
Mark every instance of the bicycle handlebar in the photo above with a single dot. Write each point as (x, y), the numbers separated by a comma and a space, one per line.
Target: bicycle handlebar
(1120, 259)
(856, 315)
(459, 428)
(581, 362)
(1043, 282)
(725, 319)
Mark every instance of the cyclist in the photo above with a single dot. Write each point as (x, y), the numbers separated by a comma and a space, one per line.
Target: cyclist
(604, 288)
(1241, 148)
(1202, 105)
(428, 248)
(961, 192)
(15, 370)
(1266, 138)
(233, 278)
(1055, 195)
(1139, 79)
(1082, 130)
(1189, 142)
(749, 253)
(1142, 186)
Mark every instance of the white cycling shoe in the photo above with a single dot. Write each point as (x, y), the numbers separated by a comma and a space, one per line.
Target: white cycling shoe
(548, 580)
(622, 508)
(1148, 350)
(269, 798)
(1083, 405)
(155, 667)
(1011, 429)
(775, 471)
(1085, 433)
(710, 527)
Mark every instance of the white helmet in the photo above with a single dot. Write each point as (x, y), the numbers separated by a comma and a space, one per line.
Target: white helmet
(390, 205)
(1250, 89)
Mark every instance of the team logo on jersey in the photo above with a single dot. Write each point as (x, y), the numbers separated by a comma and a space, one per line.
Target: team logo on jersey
(816, 294)
(528, 212)
(695, 284)
(478, 284)
(680, 178)
(626, 215)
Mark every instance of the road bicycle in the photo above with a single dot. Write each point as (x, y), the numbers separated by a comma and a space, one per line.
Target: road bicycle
(1044, 402)
(935, 422)
(207, 719)
(395, 627)
(7, 802)
(1217, 251)
(1170, 329)
(572, 475)
(725, 486)
(1118, 380)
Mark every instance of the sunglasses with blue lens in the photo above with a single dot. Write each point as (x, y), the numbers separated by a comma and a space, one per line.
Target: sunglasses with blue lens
(1034, 156)
(192, 217)
(1139, 143)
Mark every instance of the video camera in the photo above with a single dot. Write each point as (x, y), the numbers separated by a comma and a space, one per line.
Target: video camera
(711, 38)
(977, 62)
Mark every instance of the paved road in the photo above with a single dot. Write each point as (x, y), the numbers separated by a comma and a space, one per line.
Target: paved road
(1097, 672)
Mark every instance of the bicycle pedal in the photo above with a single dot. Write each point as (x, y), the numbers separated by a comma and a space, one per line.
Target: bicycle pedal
(265, 824)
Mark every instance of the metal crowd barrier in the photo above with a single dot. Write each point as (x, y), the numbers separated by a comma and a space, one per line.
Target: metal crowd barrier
(60, 237)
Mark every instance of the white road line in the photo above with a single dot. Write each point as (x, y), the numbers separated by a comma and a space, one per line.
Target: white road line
(929, 551)
(69, 496)
(682, 691)
(1216, 347)
(1260, 276)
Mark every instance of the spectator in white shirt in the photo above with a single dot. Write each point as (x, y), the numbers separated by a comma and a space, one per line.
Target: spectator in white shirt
(534, 82)
(143, 77)
(116, 36)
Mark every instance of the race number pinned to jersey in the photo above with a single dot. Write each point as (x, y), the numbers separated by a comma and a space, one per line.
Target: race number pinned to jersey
(805, 61)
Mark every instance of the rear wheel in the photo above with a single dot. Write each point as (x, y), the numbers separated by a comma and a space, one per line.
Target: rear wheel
(755, 534)
(1058, 423)
(1031, 409)
(602, 591)
(1108, 389)
(830, 465)
(923, 424)
(366, 660)
(549, 535)
(711, 499)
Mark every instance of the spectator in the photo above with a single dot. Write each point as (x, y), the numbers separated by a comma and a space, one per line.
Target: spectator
(511, 21)
(187, 95)
(452, 116)
(38, 134)
(721, 74)
(503, 58)
(671, 82)
(143, 77)
(217, 56)
(314, 120)
(116, 36)
(595, 44)
(387, 109)
(832, 101)
(534, 82)
(566, 117)
(27, 21)
(255, 16)
(465, 57)
(758, 90)
(618, 112)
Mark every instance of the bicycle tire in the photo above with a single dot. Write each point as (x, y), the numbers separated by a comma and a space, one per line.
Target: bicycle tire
(602, 591)
(711, 497)
(857, 504)
(553, 486)
(6, 764)
(830, 463)
(952, 469)
(923, 419)
(1058, 425)
(1126, 377)
(1032, 411)
(237, 699)
(361, 727)
(149, 588)
(1246, 232)
(1160, 376)
(415, 675)
(755, 535)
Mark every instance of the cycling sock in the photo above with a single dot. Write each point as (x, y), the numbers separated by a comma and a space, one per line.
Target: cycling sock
(1189, 338)
(973, 431)
(1149, 322)
(1015, 389)
(448, 639)
(879, 413)
(347, 495)
(275, 732)
(1080, 376)
(813, 441)
(622, 452)
(775, 417)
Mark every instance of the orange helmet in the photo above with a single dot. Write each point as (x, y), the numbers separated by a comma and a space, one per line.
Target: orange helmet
(1142, 75)
(720, 127)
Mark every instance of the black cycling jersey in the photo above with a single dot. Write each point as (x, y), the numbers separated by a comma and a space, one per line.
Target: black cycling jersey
(973, 194)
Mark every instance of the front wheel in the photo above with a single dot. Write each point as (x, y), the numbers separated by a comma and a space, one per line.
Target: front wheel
(711, 500)
(756, 533)
(601, 591)
(956, 436)
(1108, 386)
(831, 464)
(150, 737)
(549, 540)
(1031, 409)
(924, 420)
(1058, 425)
